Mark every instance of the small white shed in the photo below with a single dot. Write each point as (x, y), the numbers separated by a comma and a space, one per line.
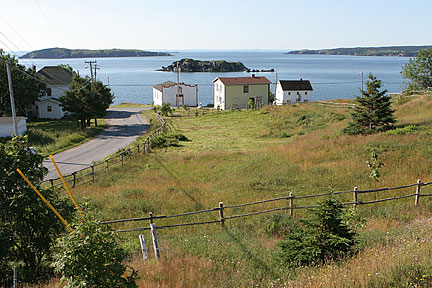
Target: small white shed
(293, 91)
(169, 92)
(49, 108)
(7, 127)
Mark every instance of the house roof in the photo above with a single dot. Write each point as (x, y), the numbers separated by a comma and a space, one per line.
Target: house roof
(299, 85)
(243, 80)
(55, 75)
(9, 120)
(52, 99)
(166, 83)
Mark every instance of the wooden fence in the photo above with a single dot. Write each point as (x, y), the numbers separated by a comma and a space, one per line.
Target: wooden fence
(336, 104)
(88, 174)
(220, 212)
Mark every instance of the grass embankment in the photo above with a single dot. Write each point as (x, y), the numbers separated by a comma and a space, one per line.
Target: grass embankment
(51, 137)
(237, 157)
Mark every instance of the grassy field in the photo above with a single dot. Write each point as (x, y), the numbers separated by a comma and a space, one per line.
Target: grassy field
(50, 137)
(244, 156)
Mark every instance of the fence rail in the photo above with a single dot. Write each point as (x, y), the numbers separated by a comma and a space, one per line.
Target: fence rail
(77, 177)
(291, 207)
(336, 104)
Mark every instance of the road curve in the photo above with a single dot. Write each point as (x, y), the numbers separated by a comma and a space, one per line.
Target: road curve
(124, 126)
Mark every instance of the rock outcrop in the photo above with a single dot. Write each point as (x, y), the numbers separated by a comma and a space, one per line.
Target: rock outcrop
(191, 65)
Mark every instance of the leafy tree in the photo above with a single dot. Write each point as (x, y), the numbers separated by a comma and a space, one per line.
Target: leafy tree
(419, 70)
(372, 110)
(86, 99)
(26, 89)
(28, 228)
(324, 235)
(91, 257)
(374, 163)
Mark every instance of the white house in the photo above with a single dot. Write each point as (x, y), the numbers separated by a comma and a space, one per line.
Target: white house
(293, 91)
(236, 92)
(58, 80)
(7, 127)
(169, 92)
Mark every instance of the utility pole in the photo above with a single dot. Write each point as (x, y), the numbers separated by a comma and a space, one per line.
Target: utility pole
(275, 86)
(95, 69)
(91, 68)
(12, 100)
(178, 85)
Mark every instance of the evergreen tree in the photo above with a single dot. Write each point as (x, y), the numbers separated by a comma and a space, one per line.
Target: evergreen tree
(372, 110)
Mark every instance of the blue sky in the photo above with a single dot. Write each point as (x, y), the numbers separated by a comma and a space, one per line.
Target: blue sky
(223, 24)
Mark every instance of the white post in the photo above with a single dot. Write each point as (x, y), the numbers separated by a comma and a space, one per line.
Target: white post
(155, 243)
(15, 277)
(143, 247)
(12, 100)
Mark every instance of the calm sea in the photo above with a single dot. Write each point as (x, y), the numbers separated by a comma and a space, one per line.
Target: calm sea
(332, 77)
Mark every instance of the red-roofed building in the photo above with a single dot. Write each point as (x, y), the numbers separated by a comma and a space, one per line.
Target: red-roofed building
(236, 92)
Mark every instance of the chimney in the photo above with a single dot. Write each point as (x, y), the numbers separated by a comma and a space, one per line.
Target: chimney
(301, 79)
(253, 75)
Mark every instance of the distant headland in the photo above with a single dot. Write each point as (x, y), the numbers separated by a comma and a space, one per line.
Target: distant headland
(61, 53)
(191, 65)
(401, 51)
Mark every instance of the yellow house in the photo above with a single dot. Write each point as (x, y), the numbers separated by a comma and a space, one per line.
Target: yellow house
(235, 92)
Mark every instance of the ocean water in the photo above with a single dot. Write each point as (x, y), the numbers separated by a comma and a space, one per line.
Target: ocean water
(332, 77)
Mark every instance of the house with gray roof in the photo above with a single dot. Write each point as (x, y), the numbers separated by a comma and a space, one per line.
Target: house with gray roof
(176, 95)
(58, 80)
(293, 91)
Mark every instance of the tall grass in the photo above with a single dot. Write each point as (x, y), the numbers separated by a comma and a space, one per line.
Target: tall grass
(243, 156)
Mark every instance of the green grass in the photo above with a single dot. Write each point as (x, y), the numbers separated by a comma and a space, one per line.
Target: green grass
(51, 137)
(244, 156)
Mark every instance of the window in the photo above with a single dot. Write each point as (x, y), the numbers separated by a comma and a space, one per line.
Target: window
(49, 108)
(246, 89)
(305, 93)
(289, 93)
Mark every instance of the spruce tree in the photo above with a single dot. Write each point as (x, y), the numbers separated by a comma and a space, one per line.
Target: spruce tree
(372, 110)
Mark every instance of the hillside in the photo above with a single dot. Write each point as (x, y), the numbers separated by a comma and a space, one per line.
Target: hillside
(60, 53)
(243, 156)
(191, 65)
(402, 51)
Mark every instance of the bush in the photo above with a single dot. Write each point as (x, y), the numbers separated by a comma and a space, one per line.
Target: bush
(165, 109)
(91, 257)
(323, 236)
(168, 140)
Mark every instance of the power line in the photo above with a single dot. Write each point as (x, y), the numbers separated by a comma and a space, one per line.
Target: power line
(10, 27)
(49, 22)
(39, 80)
(18, 49)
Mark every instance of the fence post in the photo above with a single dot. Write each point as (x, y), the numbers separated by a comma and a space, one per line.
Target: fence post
(122, 158)
(154, 237)
(417, 194)
(291, 200)
(221, 215)
(355, 197)
(107, 166)
(15, 277)
(74, 179)
(93, 173)
(143, 247)
(138, 147)
(129, 153)
(52, 183)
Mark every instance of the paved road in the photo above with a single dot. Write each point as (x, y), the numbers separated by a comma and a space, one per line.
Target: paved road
(125, 124)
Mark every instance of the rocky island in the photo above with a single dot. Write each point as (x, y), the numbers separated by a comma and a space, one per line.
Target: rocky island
(191, 65)
(61, 53)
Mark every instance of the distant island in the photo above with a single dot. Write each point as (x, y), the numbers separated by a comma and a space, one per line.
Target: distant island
(61, 53)
(401, 51)
(191, 65)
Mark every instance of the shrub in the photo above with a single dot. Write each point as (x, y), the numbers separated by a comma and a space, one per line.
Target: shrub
(91, 257)
(409, 129)
(165, 109)
(168, 140)
(324, 235)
